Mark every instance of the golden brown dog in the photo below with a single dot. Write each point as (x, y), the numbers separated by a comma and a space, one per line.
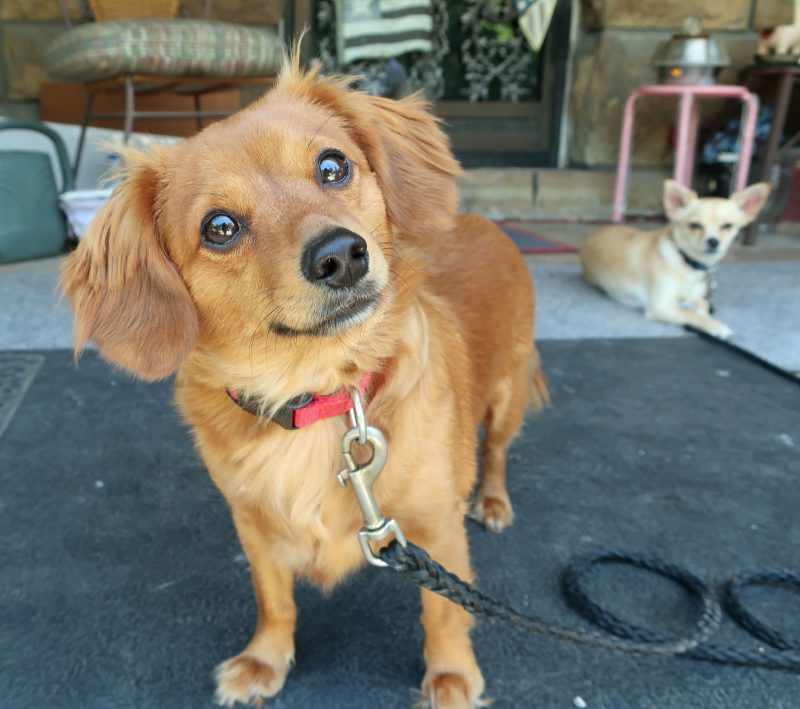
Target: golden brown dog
(298, 245)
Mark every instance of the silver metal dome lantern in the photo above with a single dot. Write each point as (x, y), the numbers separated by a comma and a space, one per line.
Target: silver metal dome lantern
(691, 57)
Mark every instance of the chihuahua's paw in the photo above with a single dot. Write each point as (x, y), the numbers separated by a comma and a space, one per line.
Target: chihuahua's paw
(452, 690)
(718, 329)
(495, 513)
(246, 680)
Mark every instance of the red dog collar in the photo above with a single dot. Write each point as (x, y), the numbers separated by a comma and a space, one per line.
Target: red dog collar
(306, 409)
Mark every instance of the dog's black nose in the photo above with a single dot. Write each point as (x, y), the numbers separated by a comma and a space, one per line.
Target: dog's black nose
(712, 242)
(337, 259)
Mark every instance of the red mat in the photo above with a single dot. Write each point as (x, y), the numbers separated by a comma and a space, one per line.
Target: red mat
(529, 241)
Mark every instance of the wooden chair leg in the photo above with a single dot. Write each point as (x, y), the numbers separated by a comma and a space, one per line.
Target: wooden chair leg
(130, 95)
(198, 117)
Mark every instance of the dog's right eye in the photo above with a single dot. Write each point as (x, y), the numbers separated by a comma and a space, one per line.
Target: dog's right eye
(334, 168)
(696, 226)
(219, 229)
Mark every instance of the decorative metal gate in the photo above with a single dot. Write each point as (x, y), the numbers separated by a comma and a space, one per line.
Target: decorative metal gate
(501, 101)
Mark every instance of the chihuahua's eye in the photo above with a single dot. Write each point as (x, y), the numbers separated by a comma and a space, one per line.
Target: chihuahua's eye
(726, 226)
(696, 226)
(219, 229)
(334, 168)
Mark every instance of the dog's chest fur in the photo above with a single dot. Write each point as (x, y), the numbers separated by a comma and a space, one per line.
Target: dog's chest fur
(690, 284)
(286, 481)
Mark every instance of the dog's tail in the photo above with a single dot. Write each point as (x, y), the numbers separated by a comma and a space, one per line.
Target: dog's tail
(539, 393)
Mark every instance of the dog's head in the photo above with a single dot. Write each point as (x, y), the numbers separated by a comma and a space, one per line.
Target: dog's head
(274, 227)
(704, 228)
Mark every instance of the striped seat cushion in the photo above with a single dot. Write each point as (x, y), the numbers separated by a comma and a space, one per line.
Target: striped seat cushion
(101, 50)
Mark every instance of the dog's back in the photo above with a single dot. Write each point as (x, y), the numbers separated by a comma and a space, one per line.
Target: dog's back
(615, 258)
(483, 276)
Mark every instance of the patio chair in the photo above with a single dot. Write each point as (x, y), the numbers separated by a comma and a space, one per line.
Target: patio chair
(143, 46)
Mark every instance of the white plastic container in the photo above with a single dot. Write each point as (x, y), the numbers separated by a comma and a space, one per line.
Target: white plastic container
(80, 206)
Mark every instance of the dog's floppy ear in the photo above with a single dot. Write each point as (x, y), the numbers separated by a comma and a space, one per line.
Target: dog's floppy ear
(126, 293)
(751, 200)
(411, 157)
(677, 198)
(404, 144)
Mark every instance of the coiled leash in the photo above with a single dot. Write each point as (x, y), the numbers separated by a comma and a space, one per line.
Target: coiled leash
(416, 565)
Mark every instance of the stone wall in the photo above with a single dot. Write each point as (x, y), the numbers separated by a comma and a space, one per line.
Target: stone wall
(26, 28)
(612, 57)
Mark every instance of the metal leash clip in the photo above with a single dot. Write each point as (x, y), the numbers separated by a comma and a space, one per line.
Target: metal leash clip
(362, 478)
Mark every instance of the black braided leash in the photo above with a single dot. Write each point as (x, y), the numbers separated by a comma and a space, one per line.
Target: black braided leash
(746, 354)
(736, 608)
(415, 564)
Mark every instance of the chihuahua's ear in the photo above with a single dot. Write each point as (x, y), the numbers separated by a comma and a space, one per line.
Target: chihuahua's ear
(677, 198)
(126, 293)
(751, 200)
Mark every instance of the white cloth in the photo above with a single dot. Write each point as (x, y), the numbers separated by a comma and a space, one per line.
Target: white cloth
(534, 20)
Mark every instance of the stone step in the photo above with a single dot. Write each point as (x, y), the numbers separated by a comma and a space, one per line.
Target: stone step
(534, 193)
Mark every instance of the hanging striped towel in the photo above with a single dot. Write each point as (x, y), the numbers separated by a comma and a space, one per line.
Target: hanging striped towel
(380, 29)
(534, 20)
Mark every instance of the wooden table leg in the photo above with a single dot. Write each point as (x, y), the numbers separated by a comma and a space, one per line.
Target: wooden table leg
(773, 143)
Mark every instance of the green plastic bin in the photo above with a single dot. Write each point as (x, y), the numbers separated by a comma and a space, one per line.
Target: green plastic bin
(32, 225)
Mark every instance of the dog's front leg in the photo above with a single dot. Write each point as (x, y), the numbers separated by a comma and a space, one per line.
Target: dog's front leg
(668, 310)
(260, 670)
(703, 306)
(453, 679)
(698, 319)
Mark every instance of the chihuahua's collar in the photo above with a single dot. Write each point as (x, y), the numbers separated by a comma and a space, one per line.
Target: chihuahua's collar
(688, 260)
(304, 410)
(693, 263)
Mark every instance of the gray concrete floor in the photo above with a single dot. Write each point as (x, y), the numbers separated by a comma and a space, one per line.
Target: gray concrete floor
(758, 296)
(34, 317)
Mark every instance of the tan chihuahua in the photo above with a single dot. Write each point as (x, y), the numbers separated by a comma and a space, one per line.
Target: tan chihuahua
(668, 272)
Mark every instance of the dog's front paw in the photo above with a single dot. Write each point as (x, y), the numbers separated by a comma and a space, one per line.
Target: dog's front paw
(495, 513)
(452, 690)
(246, 680)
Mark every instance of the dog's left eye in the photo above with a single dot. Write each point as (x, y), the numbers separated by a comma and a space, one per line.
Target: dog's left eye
(219, 229)
(727, 226)
(334, 168)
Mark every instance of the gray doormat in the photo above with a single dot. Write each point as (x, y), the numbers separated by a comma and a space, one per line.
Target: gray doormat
(122, 583)
(17, 370)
